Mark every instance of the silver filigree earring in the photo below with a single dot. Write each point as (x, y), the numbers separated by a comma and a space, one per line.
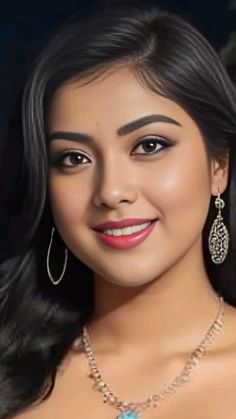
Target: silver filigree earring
(218, 241)
(55, 281)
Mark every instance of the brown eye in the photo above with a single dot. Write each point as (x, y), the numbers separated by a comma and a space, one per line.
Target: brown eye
(151, 146)
(73, 158)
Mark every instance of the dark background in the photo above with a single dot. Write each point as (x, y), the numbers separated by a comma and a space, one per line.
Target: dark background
(25, 26)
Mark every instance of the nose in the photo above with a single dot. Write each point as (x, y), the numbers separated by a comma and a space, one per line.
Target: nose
(114, 185)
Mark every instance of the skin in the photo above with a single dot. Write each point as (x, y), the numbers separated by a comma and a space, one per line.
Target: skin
(174, 185)
(157, 294)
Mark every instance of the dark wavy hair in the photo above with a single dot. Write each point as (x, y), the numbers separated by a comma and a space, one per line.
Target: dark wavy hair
(39, 322)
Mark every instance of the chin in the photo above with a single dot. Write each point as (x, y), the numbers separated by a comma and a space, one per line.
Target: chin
(129, 282)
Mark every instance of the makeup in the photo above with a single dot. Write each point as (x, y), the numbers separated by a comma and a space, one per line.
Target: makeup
(126, 241)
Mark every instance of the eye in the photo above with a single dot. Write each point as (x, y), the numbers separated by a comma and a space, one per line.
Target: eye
(152, 145)
(74, 157)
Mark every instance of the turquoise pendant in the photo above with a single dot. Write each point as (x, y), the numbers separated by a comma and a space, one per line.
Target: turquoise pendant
(128, 414)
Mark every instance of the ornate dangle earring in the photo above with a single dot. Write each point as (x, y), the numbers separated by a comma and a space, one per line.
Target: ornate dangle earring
(55, 281)
(218, 241)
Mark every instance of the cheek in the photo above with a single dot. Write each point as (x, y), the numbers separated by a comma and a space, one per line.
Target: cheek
(180, 190)
(69, 198)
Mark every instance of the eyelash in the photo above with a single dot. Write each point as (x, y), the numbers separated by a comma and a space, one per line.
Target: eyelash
(162, 142)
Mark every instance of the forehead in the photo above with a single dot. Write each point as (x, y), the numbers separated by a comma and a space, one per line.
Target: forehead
(113, 98)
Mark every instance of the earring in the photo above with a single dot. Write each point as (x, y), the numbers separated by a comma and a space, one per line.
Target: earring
(55, 281)
(218, 240)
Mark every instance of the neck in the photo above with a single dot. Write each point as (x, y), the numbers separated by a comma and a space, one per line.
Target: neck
(171, 313)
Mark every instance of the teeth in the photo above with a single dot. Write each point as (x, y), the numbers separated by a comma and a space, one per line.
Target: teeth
(126, 231)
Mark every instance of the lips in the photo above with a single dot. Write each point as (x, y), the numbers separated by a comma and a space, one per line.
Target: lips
(126, 241)
(128, 222)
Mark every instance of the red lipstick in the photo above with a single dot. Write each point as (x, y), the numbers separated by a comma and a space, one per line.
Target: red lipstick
(124, 241)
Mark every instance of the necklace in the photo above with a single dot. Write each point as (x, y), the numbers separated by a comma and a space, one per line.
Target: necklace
(132, 410)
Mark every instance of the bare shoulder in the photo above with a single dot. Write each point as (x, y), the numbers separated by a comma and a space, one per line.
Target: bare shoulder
(209, 394)
(72, 396)
(227, 340)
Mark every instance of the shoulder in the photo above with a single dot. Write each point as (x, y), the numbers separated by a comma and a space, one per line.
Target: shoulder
(211, 389)
(69, 393)
(227, 339)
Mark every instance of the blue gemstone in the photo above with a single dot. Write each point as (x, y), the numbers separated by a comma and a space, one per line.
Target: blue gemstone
(129, 414)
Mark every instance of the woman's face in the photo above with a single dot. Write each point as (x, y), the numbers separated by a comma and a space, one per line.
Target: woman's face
(155, 169)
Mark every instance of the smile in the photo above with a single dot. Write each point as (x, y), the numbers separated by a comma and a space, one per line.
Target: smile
(126, 231)
(128, 237)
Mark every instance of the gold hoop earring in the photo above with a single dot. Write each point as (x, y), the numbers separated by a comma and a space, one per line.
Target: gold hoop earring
(218, 241)
(55, 281)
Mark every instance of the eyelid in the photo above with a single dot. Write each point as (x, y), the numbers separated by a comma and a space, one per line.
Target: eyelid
(57, 161)
(159, 140)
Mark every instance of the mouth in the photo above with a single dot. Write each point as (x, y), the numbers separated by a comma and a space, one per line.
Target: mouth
(127, 237)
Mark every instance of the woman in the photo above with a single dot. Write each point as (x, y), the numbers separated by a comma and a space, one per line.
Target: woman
(119, 298)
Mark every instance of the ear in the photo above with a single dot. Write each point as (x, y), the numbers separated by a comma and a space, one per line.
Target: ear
(219, 174)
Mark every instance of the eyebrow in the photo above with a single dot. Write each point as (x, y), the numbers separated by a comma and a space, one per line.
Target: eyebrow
(124, 130)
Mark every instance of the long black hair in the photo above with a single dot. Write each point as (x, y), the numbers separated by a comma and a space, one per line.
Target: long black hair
(39, 322)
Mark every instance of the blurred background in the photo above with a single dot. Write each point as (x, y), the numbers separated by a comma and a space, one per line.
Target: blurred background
(25, 26)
